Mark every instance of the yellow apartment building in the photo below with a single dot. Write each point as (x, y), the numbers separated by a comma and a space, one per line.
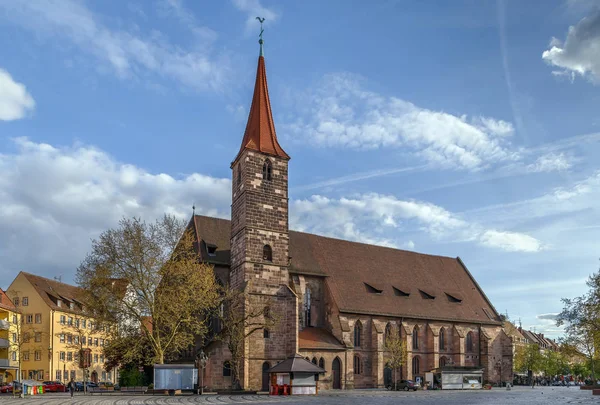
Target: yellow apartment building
(9, 348)
(56, 324)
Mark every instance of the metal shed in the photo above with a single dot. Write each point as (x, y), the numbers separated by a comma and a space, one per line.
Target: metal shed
(295, 376)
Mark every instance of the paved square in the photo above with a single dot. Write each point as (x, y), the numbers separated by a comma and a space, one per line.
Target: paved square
(518, 395)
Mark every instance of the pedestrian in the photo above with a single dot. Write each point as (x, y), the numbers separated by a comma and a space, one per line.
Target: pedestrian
(71, 387)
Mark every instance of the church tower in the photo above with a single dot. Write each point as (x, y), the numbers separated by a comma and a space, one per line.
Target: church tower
(259, 235)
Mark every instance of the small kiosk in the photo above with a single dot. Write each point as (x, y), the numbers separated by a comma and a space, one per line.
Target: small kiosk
(458, 377)
(295, 376)
(175, 376)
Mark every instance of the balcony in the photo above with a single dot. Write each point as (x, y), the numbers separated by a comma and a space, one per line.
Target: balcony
(4, 343)
(4, 363)
(4, 325)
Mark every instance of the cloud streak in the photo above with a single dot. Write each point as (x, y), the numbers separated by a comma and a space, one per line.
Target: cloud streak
(128, 54)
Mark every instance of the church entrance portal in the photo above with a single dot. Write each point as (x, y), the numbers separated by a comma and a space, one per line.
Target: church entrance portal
(336, 369)
(387, 377)
(265, 376)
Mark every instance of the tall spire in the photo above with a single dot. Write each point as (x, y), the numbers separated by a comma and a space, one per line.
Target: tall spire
(260, 132)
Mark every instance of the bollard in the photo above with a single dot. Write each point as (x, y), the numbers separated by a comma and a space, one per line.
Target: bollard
(507, 386)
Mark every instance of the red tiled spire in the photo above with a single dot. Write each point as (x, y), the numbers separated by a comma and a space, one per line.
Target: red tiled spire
(260, 130)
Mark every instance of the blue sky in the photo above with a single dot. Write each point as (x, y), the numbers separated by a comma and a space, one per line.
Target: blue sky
(464, 128)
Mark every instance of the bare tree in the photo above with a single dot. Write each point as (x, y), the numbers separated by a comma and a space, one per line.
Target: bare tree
(146, 276)
(241, 317)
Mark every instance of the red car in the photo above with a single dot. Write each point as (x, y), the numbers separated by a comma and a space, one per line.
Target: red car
(8, 388)
(54, 386)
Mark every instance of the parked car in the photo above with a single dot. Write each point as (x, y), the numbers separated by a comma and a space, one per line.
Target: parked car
(92, 384)
(8, 388)
(78, 386)
(405, 385)
(54, 386)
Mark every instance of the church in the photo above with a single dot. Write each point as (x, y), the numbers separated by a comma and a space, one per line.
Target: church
(336, 300)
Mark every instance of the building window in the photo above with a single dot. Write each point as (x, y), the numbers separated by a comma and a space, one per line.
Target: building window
(415, 366)
(415, 336)
(59, 303)
(388, 333)
(58, 375)
(239, 174)
(25, 301)
(71, 305)
(77, 322)
(96, 342)
(266, 333)
(95, 358)
(357, 365)
(101, 342)
(62, 338)
(101, 358)
(70, 323)
(267, 253)
(26, 337)
(38, 318)
(357, 333)
(89, 341)
(470, 342)
(14, 337)
(76, 339)
(29, 318)
(267, 170)
(15, 319)
(442, 362)
(70, 339)
(72, 375)
(25, 356)
(307, 305)
(63, 319)
(442, 339)
(83, 323)
(13, 356)
(16, 301)
(322, 363)
(69, 356)
(211, 250)
(226, 369)
(38, 355)
(38, 336)
(62, 356)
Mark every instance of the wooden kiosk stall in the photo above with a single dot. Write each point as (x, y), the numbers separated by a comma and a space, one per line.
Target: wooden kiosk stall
(295, 376)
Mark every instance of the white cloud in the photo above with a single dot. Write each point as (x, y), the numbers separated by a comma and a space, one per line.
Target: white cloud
(374, 218)
(343, 114)
(510, 241)
(128, 53)
(55, 199)
(254, 8)
(15, 101)
(551, 162)
(580, 52)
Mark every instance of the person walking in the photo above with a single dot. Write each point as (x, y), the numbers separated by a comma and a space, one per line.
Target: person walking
(71, 387)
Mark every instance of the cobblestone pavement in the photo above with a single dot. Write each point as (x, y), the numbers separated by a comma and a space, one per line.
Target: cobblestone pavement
(517, 396)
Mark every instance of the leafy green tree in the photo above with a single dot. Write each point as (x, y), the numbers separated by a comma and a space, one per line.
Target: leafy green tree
(581, 317)
(395, 353)
(528, 359)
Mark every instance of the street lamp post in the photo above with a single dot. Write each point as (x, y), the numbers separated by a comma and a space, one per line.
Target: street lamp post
(201, 359)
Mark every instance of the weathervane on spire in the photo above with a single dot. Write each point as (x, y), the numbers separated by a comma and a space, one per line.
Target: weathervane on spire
(260, 40)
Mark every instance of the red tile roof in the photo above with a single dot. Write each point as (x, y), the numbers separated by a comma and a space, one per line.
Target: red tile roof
(51, 291)
(5, 302)
(260, 130)
(347, 266)
(318, 339)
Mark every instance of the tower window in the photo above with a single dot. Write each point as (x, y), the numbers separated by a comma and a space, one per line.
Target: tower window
(267, 253)
(211, 249)
(266, 333)
(267, 170)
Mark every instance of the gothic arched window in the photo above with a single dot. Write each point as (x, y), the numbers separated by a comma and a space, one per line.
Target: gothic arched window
(415, 366)
(442, 339)
(314, 361)
(357, 365)
(357, 333)
(267, 169)
(227, 369)
(322, 363)
(267, 253)
(307, 305)
(239, 174)
(388, 333)
(415, 336)
(469, 342)
(442, 362)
